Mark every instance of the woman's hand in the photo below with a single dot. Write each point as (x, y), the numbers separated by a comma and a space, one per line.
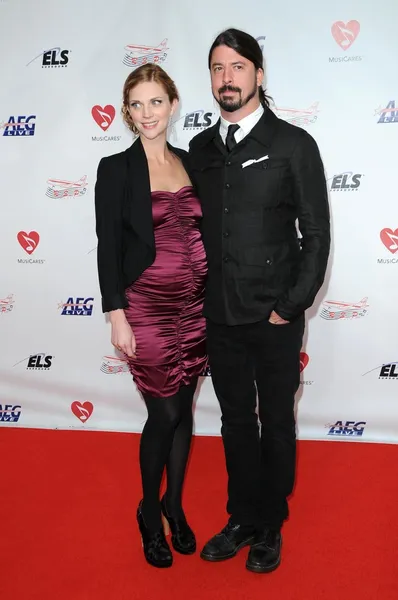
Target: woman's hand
(122, 336)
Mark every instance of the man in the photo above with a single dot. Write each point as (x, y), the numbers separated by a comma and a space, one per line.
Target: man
(257, 176)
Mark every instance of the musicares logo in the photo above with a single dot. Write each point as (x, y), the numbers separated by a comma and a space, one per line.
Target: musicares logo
(28, 241)
(389, 238)
(104, 117)
(82, 410)
(345, 35)
(304, 360)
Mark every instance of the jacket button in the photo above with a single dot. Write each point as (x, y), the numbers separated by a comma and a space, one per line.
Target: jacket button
(225, 234)
(226, 209)
(228, 163)
(268, 261)
(225, 259)
(227, 185)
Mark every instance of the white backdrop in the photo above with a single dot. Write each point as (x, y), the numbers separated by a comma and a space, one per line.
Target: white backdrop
(332, 70)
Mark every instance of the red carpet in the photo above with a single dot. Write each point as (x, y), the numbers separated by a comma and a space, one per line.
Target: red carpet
(69, 530)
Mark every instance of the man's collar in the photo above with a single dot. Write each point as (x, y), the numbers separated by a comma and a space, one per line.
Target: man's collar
(263, 131)
(246, 124)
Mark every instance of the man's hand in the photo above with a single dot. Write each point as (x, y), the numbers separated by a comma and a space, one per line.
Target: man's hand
(275, 319)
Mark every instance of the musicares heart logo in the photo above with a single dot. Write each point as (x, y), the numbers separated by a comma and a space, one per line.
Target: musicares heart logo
(82, 411)
(29, 241)
(390, 239)
(304, 360)
(103, 116)
(345, 34)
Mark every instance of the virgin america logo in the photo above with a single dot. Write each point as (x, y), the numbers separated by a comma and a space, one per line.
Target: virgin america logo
(334, 309)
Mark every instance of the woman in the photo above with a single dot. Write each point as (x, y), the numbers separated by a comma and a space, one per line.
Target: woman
(152, 269)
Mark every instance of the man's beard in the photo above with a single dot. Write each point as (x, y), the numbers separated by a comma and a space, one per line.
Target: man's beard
(230, 105)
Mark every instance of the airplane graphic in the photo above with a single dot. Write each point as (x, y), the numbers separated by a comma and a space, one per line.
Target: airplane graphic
(7, 304)
(140, 55)
(335, 309)
(59, 188)
(113, 365)
(62, 183)
(297, 116)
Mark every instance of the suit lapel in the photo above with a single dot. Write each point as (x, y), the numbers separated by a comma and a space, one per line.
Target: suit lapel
(139, 193)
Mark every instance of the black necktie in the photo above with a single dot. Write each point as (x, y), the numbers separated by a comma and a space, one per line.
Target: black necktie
(230, 142)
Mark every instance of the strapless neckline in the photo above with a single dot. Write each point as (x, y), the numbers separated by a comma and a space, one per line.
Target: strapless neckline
(185, 187)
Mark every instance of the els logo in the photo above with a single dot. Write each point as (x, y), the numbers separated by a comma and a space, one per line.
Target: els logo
(136, 55)
(346, 428)
(54, 57)
(197, 120)
(82, 307)
(345, 34)
(10, 413)
(28, 241)
(20, 126)
(386, 371)
(389, 114)
(39, 362)
(82, 411)
(345, 182)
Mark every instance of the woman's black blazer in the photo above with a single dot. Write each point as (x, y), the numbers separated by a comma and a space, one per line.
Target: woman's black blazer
(124, 225)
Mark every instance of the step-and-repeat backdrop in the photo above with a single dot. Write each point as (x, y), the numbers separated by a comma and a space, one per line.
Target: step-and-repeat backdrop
(331, 69)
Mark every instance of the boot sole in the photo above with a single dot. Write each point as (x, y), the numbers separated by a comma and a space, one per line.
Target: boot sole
(258, 569)
(212, 558)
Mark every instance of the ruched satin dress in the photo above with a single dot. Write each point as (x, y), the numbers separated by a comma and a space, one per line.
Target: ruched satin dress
(165, 303)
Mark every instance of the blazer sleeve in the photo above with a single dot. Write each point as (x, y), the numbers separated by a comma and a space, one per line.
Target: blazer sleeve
(108, 214)
(314, 223)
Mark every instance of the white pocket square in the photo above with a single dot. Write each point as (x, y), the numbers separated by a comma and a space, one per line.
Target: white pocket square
(254, 160)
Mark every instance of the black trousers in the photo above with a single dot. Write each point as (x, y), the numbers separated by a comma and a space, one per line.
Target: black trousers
(260, 449)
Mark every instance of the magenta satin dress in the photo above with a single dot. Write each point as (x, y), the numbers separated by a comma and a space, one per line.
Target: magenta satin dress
(165, 303)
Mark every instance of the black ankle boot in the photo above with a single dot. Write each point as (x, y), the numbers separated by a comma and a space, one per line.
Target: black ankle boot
(182, 536)
(156, 549)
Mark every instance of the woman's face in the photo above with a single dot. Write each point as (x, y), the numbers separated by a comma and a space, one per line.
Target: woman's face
(150, 109)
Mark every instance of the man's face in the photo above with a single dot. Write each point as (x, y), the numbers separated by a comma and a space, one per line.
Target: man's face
(234, 79)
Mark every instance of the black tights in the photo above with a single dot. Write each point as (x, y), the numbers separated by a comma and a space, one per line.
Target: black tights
(165, 441)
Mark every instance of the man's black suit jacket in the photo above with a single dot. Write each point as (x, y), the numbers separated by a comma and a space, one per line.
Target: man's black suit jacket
(256, 262)
(124, 225)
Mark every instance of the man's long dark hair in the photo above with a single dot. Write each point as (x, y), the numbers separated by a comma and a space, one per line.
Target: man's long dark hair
(248, 47)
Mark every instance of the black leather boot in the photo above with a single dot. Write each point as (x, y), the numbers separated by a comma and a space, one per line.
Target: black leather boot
(156, 549)
(182, 536)
(265, 552)
(228, 542)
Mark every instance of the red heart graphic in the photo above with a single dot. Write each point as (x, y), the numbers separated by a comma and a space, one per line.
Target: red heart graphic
(345, 34)
(304, 360)
(390, 239)
(29, 241)
(103, 116)
(82, 411)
